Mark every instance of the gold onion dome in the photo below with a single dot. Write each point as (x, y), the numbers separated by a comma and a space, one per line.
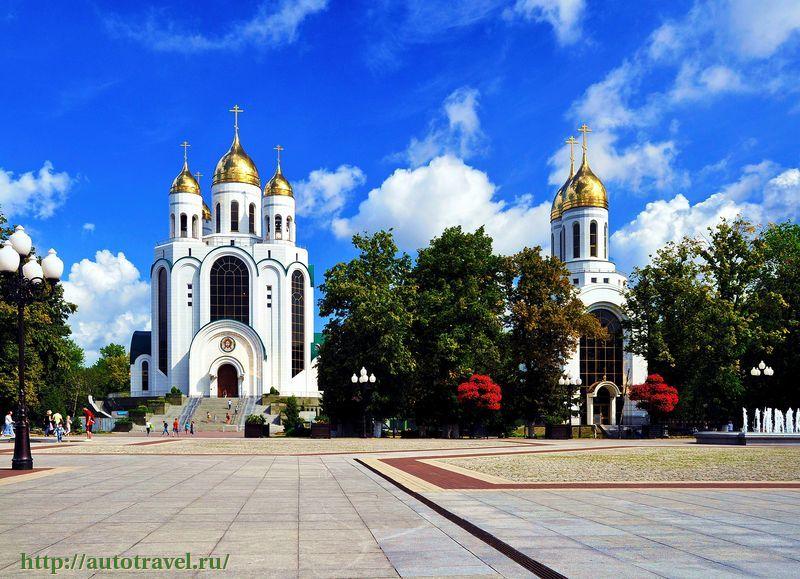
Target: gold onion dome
(206, 212)
(558, 203)
(185, 182)
(585, 189)
(278, 185)
(236, 166)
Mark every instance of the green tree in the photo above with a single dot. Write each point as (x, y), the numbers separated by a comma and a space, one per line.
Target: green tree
(546, 319)
(291, 416)
(457, 330)
(111, 372)
(694, 314)
(369, 304)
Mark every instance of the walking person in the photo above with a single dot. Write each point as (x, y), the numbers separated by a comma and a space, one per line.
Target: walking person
(89, 415)
(227, 418)
(191, 428)
(165, 432)
(67, 425)
(59, 432)
(229, 405)
(175, 430)
(148, 426)
(8, 426)
(186, 427)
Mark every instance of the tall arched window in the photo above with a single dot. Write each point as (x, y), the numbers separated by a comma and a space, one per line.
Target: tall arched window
(289, 223)
(266, 228)
(162, 320)
(195, 222)
(602, 359)
(605, 241)
(230, 290)
(172, 225)
(576, 240)
(552, 244)
(562, 250)
(251, 218)
(184, 225)
(145, 376)
(278, 228)
(219, 219)
(298, 322)
(593, 239)
(234, 216)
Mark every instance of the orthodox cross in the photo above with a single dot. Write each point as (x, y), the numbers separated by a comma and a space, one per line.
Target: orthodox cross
(197, 176)
(584, 129)
(572, 141)
(236, 110)
(185, 145)
(279, 149)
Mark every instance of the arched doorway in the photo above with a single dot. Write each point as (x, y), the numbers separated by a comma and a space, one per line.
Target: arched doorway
(602, 407)
(227, 381)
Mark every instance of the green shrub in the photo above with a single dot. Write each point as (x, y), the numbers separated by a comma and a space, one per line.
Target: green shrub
(273, 391)
(298, 431)
(255, 419)
(175, 391)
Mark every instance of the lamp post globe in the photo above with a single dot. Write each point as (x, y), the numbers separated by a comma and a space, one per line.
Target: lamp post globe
(21, 241)
(354, 379)
(52, 266)
(9, 258)
(32, 270)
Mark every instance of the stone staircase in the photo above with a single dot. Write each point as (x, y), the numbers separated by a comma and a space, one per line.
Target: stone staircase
(209, 416)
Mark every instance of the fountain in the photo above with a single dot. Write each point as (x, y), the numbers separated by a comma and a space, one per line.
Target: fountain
(769, 426)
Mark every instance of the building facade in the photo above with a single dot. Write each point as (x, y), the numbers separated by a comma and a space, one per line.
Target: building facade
(580, 238)
(232, 294)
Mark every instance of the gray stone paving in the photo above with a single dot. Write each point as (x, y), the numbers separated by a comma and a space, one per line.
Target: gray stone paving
(644, 532)
(275, 516)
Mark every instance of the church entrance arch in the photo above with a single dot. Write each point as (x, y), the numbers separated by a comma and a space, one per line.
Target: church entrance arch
(602, 407)
(227, 381)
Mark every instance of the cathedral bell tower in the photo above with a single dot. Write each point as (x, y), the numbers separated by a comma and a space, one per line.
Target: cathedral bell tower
(185, 204)
(278, 208)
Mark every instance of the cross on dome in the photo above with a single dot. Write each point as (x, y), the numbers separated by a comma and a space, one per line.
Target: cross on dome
(185, 144)
(236, 110)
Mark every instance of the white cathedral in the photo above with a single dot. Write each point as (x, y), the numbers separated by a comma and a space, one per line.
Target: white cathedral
(232, 295)
(601, 369)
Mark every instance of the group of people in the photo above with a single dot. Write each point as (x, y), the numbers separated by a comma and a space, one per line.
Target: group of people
(188, 428)
(56, 425)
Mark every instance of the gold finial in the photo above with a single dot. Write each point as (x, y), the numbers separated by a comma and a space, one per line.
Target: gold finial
(236, 110)
(197, 176)
(572, 141)
(278, 148)
(584, 128)
(185, 144)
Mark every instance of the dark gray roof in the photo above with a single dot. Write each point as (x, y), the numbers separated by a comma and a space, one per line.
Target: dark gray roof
(140, 344)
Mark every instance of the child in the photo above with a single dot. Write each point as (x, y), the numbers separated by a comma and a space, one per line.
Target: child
(186, 427)
(166, 429)
(67, 426)
(59, 432)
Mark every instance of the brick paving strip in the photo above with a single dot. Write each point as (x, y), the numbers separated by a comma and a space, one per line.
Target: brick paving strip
(10, 476)
(424, 473)
(38, 447)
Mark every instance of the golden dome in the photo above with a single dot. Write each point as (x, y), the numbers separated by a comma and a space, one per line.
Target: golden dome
(185, 182)
(558, 203)
(278, 185)
(206, 212)
(236, 166)
(586, 190)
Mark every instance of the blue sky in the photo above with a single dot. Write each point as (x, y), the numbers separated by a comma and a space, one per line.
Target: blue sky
(441, 114)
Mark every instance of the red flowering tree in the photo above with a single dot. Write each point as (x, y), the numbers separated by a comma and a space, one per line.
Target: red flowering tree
(655, 396)
(479, 398)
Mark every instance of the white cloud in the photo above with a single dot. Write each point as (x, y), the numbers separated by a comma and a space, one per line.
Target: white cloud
(420, 203)
(88, 227)
(323, 193)
(112, 301)
(457, 131)
(271, 26)
(38, 194)
(663, 221)
(563, 15)
(758, 29)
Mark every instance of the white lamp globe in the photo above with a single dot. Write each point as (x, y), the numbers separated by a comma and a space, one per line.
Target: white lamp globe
(363, 371)
(769, 371)
(21, 241)
(32, 270)
(372, 378)
(52, 266)
(578, 382)
(761, 365)
(362, 379)
(754, 371)
(353, 378)
(9, 258)
(562, 382)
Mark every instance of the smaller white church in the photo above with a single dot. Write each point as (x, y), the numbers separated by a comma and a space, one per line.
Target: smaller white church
(579, 237)
(232, 302)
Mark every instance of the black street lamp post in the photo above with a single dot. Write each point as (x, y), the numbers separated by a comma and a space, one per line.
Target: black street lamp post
(366, 382)
(29, 282)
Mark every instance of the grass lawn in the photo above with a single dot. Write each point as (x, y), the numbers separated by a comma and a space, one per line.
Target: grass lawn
(688, 463)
